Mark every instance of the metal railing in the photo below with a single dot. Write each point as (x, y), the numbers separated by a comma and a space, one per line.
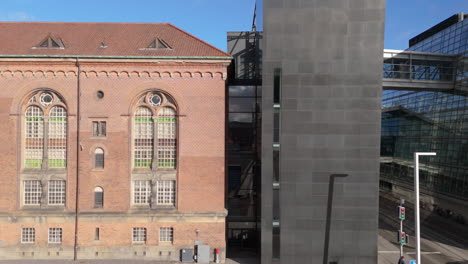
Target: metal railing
(419, 66)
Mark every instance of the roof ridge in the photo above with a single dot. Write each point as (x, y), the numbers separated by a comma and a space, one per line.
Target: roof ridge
(202, 41)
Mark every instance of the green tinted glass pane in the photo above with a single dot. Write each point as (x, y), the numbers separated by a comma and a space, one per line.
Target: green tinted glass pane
(56, 163)
(166, 119)
(33, 163)
(166, 163)
(143, 119)
(142, 163)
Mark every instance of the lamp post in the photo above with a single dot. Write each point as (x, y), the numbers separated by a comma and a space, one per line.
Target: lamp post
(416, 201)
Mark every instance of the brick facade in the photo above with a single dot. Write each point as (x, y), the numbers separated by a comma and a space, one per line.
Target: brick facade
(198, 88)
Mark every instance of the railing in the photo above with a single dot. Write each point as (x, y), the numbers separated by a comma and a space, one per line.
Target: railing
(410, 65)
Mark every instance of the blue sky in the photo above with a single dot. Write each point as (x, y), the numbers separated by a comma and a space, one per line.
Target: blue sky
(211, 19)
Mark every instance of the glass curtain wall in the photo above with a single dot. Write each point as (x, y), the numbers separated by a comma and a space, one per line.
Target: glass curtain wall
(430, 121)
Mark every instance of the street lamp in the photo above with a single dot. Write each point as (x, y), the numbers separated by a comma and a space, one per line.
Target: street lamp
(416, 202)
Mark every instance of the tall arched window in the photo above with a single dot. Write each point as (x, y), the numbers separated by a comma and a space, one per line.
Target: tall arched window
(154, 132)
(154, 147)
(99, 158)
(57, 137)
(45, 144)
(34, 137)
(143, 136)
(166, 138)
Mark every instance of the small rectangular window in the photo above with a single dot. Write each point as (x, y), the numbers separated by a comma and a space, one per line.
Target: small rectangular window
(139, 235)
(276, 165)
(103, 128)
(276, 204)
(98, 199)
(276, 125)
(99, 160)
(55, 235)
(276, 242)
(28, 235)
(32, 192)
(141, 192)
(166, 234)
(56, 192)
(165, 193)
(99, 128)
(276, 86)
(96, 234)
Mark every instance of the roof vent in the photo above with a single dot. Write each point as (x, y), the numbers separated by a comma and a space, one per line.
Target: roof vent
(158, 44)
(49, 42)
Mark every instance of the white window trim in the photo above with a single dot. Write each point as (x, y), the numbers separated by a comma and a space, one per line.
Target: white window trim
(145, 235)
(49, 235)
(148, 185)
(24, 193)
(171, 196)
(62, 203)
(33, 236)
(171, 240)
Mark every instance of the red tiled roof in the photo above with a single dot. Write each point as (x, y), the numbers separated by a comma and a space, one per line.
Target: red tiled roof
(85, 39)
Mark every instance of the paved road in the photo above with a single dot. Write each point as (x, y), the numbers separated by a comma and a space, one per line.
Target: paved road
(443, 241)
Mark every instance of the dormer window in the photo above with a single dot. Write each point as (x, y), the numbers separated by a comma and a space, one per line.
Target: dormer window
(158, 44)
(51, 43)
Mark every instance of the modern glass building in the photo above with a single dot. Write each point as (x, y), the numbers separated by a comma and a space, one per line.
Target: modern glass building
(244, 141)
(433, 121)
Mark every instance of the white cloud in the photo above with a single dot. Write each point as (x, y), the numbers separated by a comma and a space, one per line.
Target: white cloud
(16, 16)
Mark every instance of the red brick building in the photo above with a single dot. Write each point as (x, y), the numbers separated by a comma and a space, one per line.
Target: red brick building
(112, 141)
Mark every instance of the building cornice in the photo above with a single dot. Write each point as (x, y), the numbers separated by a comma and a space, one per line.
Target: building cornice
(95, 58)
(163, 74)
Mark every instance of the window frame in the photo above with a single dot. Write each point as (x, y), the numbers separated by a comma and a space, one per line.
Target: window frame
(59, 196)
(169, 237)
(56, 231)
(37, 193)
(142, 193)
(136, 232)
(96, 191)
(156, 111)
(95, 158)
(28, 235)
(166, 194)
(48, 122)
(99, 128)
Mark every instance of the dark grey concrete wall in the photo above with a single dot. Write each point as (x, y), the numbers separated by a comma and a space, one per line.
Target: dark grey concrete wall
(330, 53)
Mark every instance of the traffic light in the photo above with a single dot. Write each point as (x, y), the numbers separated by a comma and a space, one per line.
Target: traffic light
(401, 212)
(402, 237)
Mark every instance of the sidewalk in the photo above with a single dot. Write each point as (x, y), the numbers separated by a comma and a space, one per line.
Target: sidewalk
(114, 261)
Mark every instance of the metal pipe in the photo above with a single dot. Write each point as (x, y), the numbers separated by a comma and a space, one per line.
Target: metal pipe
(416, 202)
(77, 188)
(329, 212)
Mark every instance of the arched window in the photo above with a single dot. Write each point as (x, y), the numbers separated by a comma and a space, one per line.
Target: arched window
(57, 137)
(99, 158)
(154, 147)
(154, 132)
(143, 136)
(34, 137)
(166, 138)
(45, 144)
(98, 197)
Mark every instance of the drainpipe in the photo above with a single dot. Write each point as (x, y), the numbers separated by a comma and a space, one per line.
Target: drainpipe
(77, 189)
